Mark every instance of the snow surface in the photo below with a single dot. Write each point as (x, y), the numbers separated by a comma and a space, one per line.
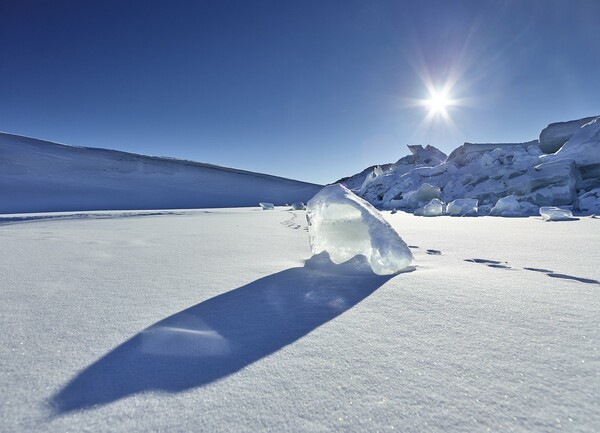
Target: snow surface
(345, 226)
(40, 176)
(211, 321)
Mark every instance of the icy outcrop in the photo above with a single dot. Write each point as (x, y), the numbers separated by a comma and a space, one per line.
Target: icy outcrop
(344, 225)
(434, 208)
(551, 213)
(589, 202)
(555, 135)
(355, 181)
(462, 206)
(489, 172)
(298, 206)
(267, 206)
(584, 149)
(552, 183)
(510, 206)
(419, 197)
(428, 156)
(377, 171)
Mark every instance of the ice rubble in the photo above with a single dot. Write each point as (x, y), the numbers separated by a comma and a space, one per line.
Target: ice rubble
(551, 213)
(345, 226)
(267, 206)
(490, 172)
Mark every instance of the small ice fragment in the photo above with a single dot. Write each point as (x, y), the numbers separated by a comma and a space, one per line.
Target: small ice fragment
(267, 206)
(462, 206)
(298, 206)
(551, 213)
(345, 226)
(434, 208)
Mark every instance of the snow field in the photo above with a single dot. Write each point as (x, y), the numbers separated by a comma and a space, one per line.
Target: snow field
(491, 344)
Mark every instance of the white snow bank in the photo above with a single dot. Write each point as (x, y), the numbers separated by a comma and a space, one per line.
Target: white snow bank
(267, 206)
(510, 206)
(462, 206)
(552, 213)
(344, 225)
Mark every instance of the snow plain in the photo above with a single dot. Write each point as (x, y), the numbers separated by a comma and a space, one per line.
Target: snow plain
(209, 320)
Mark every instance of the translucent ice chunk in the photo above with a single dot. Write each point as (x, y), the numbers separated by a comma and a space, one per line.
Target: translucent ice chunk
(298, 206)
(462, 206)
(424, 194)
(434, 208)
(345, 226)
(550, 213)
(267, 206)
(510, 206)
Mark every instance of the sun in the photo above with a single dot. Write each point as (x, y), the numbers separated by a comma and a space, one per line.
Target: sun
(438, 102)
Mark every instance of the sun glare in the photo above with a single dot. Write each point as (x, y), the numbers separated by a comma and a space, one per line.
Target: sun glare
(438, 102)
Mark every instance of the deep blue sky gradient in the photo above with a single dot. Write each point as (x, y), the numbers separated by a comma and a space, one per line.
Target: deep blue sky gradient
(313, 90)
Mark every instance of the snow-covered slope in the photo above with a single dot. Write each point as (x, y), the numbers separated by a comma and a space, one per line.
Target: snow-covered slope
(487, 172)
(40, 176)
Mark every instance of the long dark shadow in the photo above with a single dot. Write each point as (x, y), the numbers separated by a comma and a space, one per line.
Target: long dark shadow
(218, 337)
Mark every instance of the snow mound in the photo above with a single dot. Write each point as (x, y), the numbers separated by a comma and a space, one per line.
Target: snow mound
(462, 206)
(267, 206)
(551, 213)
(345, 226)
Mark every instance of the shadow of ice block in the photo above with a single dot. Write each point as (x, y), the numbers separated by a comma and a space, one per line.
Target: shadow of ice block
(344, 225)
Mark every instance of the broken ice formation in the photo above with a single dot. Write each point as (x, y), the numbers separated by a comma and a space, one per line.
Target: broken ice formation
(267, 206)
(377, 171)
(590, 201)
(462, 206)
(344, 225)
(551, 213)
(298, 206)
(556, 134)
(434, 208)
(510, 206)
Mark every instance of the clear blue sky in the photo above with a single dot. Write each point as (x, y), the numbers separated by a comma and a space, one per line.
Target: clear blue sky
(313, 90)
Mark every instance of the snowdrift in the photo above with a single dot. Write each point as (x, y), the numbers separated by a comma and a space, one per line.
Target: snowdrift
(503, 179)
(41, 176)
